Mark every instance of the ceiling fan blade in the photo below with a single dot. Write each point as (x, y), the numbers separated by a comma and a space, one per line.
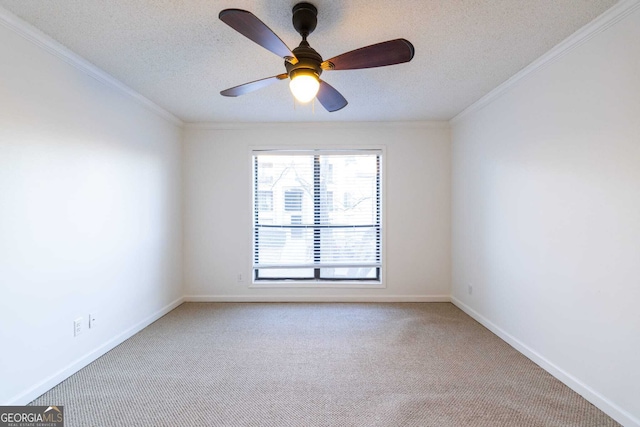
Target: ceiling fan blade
(247, 24)
(251, 86)
(330, 98)
(377, 55)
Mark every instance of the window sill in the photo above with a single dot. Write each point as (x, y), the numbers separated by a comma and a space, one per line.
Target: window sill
(344, 284)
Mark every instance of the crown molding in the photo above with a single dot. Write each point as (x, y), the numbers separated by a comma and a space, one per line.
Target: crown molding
(315, 125)
(615, 14)
(40, 39)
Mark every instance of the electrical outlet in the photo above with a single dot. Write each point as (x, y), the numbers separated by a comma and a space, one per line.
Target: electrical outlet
(240, 278)
(93, 320)
(470, 289)
(77, 326)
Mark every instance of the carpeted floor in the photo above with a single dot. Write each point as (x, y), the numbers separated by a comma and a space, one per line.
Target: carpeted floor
(293, 364)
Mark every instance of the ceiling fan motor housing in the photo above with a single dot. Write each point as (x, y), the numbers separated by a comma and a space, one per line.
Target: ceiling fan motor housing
(308, 60)
(305, 19)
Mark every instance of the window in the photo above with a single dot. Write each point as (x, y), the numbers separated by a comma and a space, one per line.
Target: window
(293, 200)
(347, 201)
(264, 200)
(296, 233)
(266, 173)
(299, 234)
(329, 201)
(329, 172)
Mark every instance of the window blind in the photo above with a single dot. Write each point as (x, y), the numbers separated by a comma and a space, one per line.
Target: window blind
(317, 214)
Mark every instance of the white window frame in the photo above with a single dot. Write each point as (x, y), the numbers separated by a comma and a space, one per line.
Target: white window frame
(324, 283)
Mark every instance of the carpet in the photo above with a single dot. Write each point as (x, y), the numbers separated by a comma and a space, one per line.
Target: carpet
(310, 364)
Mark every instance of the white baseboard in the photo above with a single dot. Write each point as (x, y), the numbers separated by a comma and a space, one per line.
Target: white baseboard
(604, 404)
(55, 379)
(317, 298)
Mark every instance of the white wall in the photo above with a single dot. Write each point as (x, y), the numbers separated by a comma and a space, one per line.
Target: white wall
(90, 217)
(217, 166)
(546, 217)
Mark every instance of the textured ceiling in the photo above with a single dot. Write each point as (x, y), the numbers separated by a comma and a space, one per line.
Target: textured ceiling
(180, 55)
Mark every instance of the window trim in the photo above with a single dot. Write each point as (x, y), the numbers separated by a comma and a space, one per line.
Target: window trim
(365, 283)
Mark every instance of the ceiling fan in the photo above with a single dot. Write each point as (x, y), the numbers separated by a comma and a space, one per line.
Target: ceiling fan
(304, 65)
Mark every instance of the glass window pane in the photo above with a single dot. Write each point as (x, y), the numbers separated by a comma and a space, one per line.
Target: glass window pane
(349, 273)
(293, 200)
(349, 246)
(289, 273)
(324, 210)
(265, 200)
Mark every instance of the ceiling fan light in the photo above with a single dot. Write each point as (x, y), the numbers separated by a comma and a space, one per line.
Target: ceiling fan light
(304, 86)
